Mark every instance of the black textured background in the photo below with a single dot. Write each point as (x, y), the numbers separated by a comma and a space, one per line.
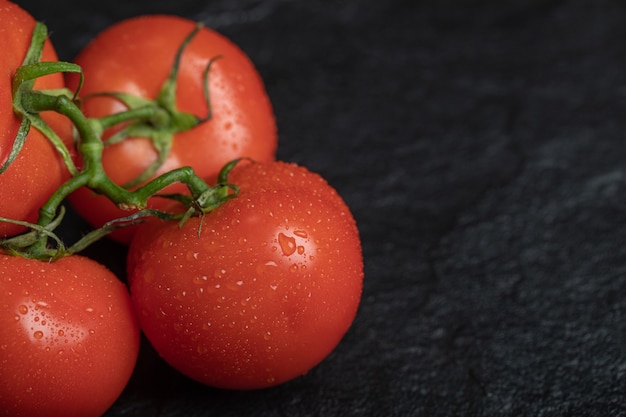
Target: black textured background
(481, 146)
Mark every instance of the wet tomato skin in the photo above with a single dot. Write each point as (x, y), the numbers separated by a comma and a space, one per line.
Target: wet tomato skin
(68, 337)
(262, 296)
(252, 175)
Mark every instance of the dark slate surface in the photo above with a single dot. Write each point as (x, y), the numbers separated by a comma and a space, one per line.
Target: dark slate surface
(481, 146)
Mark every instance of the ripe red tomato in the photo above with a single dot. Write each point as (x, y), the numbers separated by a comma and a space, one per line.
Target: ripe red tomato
(135, 56)
(69, 339)
(38, 170)
(262, 296)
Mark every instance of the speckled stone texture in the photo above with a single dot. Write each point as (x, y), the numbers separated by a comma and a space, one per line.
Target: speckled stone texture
(481, 146)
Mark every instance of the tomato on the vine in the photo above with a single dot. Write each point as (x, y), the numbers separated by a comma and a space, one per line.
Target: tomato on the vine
(69, 339)
(38, 170)
(263, 295)
(135, 56)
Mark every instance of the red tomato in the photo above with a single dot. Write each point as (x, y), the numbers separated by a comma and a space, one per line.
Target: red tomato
(135, 56)
(38, 170)
(69, 339)
(262, 296)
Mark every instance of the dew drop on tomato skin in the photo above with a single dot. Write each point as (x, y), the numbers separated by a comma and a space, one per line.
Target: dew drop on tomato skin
(192, 256)
(287, 244)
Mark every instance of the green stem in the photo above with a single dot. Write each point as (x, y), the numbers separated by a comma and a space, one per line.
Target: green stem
(93, 175)
(141, 113)
(160, 116)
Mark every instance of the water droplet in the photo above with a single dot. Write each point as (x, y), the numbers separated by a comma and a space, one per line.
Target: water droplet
(267, 335)
(89, 309)
(178, 327)
(148, 277)
(301, 233)
(22, 309)
(61, 333)
(38, 335)
(293, 268)
(287, 244)
(200, 279)
(300, 250)
(269, 264)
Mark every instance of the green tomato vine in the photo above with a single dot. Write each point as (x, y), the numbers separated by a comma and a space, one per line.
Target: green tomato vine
(159, 120)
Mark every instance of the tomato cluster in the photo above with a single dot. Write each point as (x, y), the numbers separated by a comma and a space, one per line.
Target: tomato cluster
(249, 294)
(132, 57)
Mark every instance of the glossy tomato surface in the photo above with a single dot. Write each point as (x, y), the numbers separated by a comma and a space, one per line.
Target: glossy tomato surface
(263, 295)
(250, 175)
(68, 337)
(38, 170)
(135, 56)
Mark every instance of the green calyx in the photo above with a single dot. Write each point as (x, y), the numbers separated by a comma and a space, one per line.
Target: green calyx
(158, 120)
